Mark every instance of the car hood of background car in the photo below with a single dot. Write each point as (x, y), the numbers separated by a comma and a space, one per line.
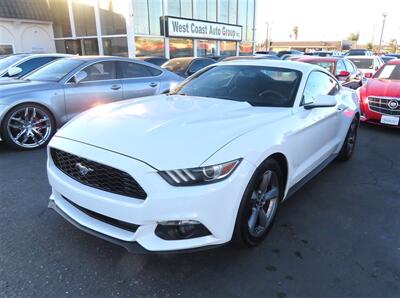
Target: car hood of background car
(14, 87)
(169, 132)
(385, 88)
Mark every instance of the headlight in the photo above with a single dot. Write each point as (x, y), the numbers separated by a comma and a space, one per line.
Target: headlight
(202, 175)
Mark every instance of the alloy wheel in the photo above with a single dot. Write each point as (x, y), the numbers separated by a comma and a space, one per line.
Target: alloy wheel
(29, 127)
(264, 203)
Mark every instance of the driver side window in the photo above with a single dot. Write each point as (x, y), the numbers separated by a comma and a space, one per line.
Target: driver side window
(318, 83)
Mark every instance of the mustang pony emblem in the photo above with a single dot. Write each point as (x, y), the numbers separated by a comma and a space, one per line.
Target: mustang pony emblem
(82, 169)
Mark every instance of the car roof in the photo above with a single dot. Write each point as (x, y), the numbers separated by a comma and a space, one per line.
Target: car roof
(303, 67)
(394, 62)
(361, 57)
(321, 59)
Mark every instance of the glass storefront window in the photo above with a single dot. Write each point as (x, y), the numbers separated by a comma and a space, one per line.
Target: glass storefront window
(141, 17)
(186, 9)
(201, 10)
(212, 10)
(90, 46)
(61, 23)
(245, 48)
(149, 46)
(206, 48)
(242, 17)
(179, 47)
(155, 12)
(227, 48)
(85, 23)
(224, 11)
(6, 49)
(250, 19)
(174, 8)
(115, 46)
(232, 11)
(112, 17)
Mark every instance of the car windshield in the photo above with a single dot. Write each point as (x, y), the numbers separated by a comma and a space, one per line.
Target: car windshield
(10, 60)
(56, 70)
(355, 52)
(363, 63)
(177, 65)
(389, 72)
(329, 66)
(257, 85)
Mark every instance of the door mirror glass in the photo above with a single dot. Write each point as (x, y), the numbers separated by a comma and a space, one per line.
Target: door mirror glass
(322, 101)
(343, 73)
(13, 71)
(80, 76)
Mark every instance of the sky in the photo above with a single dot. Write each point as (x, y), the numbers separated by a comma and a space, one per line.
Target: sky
(328, 20)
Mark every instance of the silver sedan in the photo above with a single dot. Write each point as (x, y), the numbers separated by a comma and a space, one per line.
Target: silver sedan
(33, 108)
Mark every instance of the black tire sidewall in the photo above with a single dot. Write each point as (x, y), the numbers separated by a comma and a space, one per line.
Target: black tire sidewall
(4, 131)
(344, 154)
(241, 235)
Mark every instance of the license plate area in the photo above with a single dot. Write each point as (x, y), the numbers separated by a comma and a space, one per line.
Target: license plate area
(390, 120)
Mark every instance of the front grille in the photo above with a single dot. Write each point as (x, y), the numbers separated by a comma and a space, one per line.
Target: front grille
(381, 105)
(97, 175)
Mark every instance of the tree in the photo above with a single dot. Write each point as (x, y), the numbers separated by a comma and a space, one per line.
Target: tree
(295, 32)
(354, 37)
(392, 46)
(370, 46)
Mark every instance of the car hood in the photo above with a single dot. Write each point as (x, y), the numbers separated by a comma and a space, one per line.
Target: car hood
(385, 88)
(169, 132)
(15, 86)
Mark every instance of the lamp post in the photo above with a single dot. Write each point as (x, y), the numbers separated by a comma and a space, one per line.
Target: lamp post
(384, 15)
(268, 36)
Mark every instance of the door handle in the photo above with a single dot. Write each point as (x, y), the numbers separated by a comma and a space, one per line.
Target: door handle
(153, 84)
(116, 87)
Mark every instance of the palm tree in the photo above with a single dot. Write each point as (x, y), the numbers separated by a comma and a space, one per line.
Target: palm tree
(295, 32)
(354, 37)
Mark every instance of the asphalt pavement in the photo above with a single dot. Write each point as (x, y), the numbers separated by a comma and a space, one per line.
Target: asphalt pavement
(337, 237)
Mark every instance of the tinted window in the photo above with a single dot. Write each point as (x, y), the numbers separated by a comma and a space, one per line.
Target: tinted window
(257, 85)
(32, 64)
(10, 60)
(366, 63)
(389, 72)
(349, 66)
(135, 70)
(55, 71)
(199, 64)
(340, 67)
(329, 66)
(177, 65)
(100, 71)
(319, 83)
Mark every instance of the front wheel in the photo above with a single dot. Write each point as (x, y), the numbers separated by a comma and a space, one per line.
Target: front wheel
(350, 142)
(259, 205)
(28, 127)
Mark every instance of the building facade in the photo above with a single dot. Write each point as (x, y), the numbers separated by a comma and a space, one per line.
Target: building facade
(25, 27)
(170, 28)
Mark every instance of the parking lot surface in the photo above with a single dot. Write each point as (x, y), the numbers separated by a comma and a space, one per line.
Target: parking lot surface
(337, 237)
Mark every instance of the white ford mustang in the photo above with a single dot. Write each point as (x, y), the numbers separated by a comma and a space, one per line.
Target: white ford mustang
(206, 164)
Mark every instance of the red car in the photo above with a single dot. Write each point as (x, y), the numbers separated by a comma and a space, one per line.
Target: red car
(380, 96)
(343, 69)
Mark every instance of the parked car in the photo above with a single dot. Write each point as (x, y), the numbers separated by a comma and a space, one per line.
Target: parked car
(394, 55)
(9, 60)
(291, 57)
(358, 52)
(206, 164)
(327, 53)
(256, 57)
(186, 66)
(153, 60)
(265, 53)
(386, 58)
(368, 65)
(289, 52)
(32, 109)
(343, 69)
(27, 65)
(218, 58)
(380, 96)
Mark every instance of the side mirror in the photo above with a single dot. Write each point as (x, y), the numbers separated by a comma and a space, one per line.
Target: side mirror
(343, 73)
(376, 68)
(80, 76)
(322, 101)
(13, 71)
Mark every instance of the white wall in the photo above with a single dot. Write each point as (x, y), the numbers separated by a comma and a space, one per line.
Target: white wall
(27, 36)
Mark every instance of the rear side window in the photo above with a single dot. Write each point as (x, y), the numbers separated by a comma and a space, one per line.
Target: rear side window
(128, 70)
(199, 64)
(319, 83)
(340, 67)
(349, 66)
(100, 71)
(32, 64)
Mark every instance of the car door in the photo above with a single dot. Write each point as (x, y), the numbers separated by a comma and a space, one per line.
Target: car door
(316, 129)
(100, 86)
(341, 68)
(355, 77)
(138, 80)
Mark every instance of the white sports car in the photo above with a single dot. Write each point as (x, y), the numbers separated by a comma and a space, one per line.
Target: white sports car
(206, 164)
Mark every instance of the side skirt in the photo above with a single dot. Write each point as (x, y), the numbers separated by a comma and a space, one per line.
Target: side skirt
(310, 175)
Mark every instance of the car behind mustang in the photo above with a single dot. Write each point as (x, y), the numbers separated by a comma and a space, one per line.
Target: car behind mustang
(206, 164)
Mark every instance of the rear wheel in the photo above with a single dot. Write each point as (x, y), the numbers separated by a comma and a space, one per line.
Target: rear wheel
(350, 142)
(259, 205)
(28, 127)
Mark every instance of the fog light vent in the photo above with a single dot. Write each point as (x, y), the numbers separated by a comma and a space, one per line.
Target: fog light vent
(181, 229)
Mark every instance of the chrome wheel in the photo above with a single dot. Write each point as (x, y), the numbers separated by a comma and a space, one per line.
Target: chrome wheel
(264, 203)
(29, 127)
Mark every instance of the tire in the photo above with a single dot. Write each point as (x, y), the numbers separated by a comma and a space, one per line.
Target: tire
(28, 127)
(243, 234)
(346, 152)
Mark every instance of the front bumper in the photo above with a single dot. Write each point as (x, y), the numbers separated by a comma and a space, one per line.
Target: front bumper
(213, 205)
(372, 117)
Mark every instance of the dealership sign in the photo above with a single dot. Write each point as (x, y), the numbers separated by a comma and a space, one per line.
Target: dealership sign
(178, 27)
